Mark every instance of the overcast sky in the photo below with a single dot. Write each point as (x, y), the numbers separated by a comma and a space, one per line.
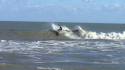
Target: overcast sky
(94, 11)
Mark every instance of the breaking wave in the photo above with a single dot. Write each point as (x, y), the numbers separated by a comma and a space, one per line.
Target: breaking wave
(65, 33)
(79, 33)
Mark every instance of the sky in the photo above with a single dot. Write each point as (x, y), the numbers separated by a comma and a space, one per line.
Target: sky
(90, 11)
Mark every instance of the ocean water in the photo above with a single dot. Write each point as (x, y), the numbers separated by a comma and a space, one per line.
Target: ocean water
(79, 46)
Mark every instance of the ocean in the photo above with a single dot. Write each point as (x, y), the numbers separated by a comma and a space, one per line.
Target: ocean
(78, 46)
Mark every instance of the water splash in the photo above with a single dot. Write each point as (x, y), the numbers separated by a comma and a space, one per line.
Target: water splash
(55, 27)
(65, 31)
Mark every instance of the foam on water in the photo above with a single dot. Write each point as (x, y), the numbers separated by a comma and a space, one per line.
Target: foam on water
(73, 52)
(101, 35)
(10, 45)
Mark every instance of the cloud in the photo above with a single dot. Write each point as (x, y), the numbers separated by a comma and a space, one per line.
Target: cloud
(12, 5)
(3, 0)
(62, 0)
(89, 0)
(20, 5)
(82, 0)
(114, 7)
(26, 6)
(69, 8)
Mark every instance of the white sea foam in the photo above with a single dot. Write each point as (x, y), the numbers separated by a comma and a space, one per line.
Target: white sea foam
(101, 35)
(54, 51)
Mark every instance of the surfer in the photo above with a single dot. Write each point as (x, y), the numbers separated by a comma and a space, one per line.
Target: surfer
(60, 28)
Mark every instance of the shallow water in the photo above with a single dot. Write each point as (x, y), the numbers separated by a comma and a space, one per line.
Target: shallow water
(63, 54)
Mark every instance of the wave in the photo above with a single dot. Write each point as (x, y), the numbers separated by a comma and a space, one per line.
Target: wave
(65, 33)
(79, 33)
